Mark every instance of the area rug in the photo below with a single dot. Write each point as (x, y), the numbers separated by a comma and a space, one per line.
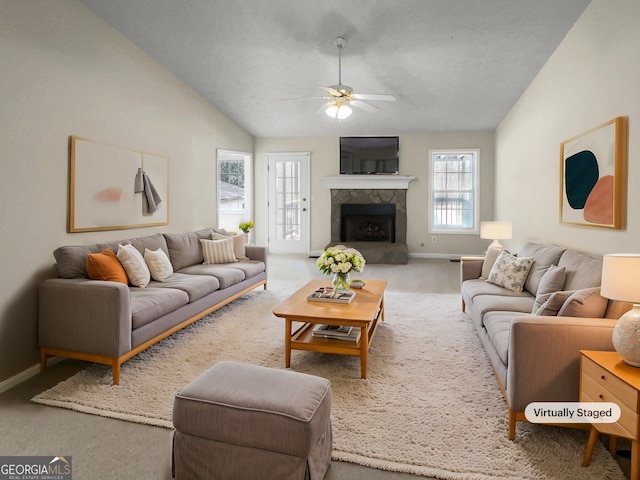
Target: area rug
(430, 404)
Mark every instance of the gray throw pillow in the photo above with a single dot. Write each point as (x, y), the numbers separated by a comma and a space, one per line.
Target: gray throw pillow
(587, 303)
(554, 303)
(552, 281)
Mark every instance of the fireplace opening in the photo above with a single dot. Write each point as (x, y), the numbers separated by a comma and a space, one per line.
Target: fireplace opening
(368, 222)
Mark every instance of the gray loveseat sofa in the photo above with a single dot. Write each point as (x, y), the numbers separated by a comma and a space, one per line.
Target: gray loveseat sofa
(533, 337)
(109, 322)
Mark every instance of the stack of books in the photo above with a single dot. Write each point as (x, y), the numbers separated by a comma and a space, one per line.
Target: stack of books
(325, 294)
(335, 332)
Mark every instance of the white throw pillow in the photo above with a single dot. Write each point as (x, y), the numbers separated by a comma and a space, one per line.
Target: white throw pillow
(159, 264)
(218, 251)
(239, 245)
(489, 260)
(510, 272)
(134, 264)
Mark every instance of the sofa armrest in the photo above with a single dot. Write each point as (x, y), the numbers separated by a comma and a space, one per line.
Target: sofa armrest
(470, 268)
(544, 356)
(82, 315)
(255, 252)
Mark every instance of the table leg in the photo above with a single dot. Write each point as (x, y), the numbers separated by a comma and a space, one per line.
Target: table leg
(593, 437)
(287, 342)
(364, 351)
(635, 460)
(613, 444)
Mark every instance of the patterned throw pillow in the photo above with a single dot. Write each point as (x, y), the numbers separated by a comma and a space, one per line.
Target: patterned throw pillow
(510, 272)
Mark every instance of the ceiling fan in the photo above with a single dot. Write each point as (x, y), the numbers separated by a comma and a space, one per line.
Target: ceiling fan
(342, 97)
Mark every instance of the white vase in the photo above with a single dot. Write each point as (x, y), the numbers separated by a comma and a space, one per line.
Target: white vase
(626, 336)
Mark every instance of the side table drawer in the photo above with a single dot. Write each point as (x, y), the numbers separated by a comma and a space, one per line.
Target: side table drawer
(616, 390)
(627, 424)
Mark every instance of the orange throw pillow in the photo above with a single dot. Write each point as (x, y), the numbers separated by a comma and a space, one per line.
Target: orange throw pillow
(106, 266)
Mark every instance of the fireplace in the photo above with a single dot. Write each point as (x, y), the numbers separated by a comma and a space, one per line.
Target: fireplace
(374, 221)
(369, 213)
(370, 222)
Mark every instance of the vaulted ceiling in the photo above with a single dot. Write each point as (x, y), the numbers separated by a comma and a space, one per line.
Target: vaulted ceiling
(453, 65)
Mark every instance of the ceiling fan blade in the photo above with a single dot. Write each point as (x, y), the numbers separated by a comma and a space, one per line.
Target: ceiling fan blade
(303, 98)
(381, 97)
(364, 106)
(331, 91)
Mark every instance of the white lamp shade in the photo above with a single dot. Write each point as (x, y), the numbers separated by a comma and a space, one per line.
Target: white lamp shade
(340, 112)
(621, 277)
(495, 230)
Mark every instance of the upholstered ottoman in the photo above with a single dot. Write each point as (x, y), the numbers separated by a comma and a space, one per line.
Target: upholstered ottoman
(239, 421)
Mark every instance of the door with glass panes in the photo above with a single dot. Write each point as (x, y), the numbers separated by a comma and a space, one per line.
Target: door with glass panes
(288, 202)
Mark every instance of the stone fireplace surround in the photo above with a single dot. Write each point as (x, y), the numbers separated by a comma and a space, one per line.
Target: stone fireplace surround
(376, 189)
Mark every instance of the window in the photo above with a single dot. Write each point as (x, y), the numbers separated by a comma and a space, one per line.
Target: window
(234, 189)
(454, 191)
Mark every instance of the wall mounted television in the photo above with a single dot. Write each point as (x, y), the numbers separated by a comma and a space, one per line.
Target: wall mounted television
(369, 155)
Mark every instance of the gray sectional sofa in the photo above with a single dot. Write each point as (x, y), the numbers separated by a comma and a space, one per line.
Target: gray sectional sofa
(109, 322)
(533, 336)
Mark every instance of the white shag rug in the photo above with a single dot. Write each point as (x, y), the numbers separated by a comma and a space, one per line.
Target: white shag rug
(430, 404)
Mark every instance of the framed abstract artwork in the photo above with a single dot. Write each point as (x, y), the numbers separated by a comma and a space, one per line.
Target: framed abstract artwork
(593, 176)
(114, 188)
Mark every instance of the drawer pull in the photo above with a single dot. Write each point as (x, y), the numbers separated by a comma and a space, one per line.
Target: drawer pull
(600, 396)
(602, 377)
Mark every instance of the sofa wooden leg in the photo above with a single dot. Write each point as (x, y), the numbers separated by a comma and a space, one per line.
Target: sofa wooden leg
(43, 359)
(512, 425)
(463, 306)
(115, 372)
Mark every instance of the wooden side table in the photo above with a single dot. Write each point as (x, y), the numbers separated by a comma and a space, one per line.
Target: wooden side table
(605, 377)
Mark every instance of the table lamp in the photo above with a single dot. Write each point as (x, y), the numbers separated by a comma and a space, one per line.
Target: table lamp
(495, 231)
(621, 281)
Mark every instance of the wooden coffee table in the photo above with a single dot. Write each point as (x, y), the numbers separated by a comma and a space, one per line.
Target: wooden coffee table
(364, 312)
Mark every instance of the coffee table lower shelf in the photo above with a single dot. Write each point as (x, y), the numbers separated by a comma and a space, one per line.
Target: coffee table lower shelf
(303, 339)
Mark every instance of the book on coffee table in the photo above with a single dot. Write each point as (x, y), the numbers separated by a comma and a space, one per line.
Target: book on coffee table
(325, 294)
(334, 332)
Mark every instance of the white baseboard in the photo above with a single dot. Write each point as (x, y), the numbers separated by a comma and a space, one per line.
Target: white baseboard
(26, 374)
(446, 256)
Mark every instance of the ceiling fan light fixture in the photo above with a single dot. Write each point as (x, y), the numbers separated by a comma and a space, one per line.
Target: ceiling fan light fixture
(338, 111)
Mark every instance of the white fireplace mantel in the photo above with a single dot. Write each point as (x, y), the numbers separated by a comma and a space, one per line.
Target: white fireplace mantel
(395, 182)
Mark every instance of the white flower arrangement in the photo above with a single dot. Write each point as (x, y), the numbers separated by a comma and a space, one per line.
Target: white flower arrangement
(340, 259)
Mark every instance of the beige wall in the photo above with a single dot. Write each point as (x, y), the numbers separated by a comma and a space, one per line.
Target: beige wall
(591, 78)
(414, 153)
(65, 72)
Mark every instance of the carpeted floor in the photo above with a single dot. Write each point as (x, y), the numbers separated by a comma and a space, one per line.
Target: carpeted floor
(430, 406)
